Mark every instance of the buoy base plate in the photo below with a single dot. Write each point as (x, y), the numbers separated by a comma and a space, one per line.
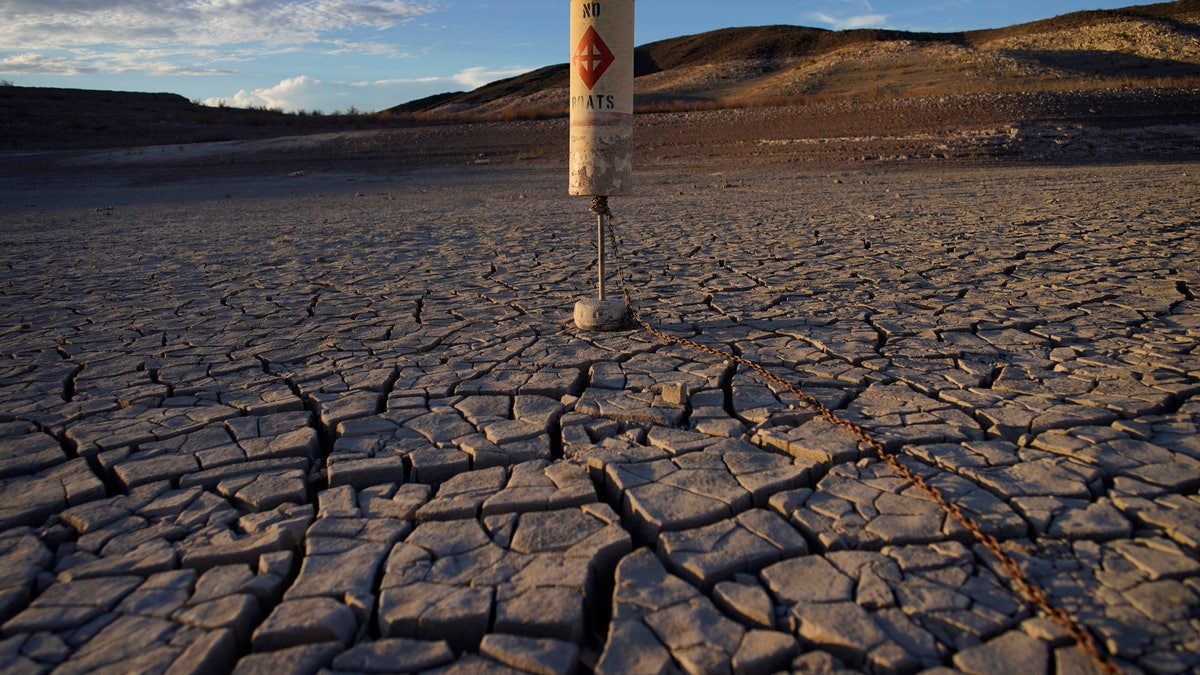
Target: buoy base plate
(592, 315)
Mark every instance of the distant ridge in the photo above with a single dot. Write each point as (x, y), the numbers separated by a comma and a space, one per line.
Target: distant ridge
(1150, 47)
(1147, 45)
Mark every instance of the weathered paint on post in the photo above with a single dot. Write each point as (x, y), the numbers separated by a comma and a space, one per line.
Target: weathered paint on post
(601, 149)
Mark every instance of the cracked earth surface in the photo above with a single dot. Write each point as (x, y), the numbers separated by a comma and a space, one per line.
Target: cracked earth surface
(353, 428)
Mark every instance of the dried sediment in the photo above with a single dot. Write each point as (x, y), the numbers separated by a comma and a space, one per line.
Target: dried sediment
(322, 423)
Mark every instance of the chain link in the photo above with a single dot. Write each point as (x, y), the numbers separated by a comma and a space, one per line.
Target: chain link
(1026, 586)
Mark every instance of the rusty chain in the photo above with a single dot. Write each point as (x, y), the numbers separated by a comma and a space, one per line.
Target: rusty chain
(1026, 586)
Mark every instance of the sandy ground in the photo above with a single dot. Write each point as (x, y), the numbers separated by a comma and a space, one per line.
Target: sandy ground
(233, 370)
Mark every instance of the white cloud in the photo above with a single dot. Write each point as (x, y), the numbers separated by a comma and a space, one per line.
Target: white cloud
(157, 38)
(476, 77)
(399, 81)
(67, 38)
(295, 93)
(851, 22)
(141, 61)
(308, 93)
(44, 24)
(38, 64)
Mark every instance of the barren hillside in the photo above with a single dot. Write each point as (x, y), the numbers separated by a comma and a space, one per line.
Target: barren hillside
(1148, 46)
(1148, 49)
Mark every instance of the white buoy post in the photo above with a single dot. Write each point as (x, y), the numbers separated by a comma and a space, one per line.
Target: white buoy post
(601, 144)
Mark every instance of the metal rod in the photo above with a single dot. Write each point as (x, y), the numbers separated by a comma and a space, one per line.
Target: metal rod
(600, 246)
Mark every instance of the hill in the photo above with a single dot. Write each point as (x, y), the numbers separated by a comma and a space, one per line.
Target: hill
(1144, 46)
(1151, 47)
(44, 118)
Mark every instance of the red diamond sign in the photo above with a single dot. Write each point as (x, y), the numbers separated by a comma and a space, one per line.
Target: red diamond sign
(592, 57)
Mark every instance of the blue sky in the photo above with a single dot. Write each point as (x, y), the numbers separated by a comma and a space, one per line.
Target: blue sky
(334, 55)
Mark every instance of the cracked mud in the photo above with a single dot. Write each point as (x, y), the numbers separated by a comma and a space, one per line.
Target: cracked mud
(353, 427)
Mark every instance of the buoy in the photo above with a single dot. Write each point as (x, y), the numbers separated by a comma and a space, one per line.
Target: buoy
(601, 123)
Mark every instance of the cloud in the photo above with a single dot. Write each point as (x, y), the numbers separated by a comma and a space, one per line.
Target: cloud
(476, 77)
(308, 93)
(67, 23)
(38, 64)
(851, 22)
(141, 61)
(292, 94)
(399, 81)
(121, 35)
